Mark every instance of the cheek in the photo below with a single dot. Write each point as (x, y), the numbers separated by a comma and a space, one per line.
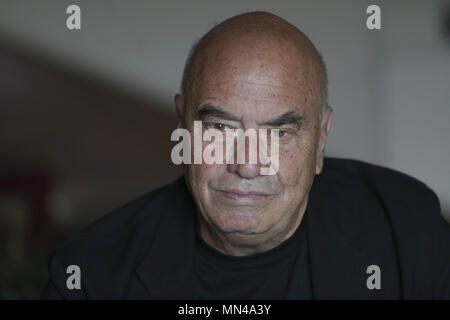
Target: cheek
(290, 167)
(206, 172)
(295, 166)
(201, 175)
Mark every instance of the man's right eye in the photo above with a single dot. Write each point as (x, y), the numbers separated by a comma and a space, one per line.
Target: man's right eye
(217, 126)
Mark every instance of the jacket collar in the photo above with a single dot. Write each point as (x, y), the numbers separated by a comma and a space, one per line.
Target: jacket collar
(335, 255)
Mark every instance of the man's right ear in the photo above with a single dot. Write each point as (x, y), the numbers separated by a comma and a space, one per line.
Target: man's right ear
(179, 104)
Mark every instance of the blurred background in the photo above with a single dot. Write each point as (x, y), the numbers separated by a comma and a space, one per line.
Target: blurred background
(86, 115)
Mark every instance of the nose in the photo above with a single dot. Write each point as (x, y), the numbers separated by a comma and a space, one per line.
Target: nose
(245, 170)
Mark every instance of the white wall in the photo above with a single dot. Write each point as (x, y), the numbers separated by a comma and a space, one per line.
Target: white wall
(389, 88)
(417, 73)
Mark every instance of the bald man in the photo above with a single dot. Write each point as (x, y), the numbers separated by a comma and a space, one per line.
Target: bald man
(314, 229)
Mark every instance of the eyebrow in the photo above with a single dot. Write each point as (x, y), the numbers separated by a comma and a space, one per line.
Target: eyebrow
(290, 117)
(209, 111)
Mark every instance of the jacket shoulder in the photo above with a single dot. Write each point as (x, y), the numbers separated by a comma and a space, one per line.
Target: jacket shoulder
(410, 206)
(108, 249)
(387, 184)
(421, 234)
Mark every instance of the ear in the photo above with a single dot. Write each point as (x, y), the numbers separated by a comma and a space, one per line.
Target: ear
(179, 104)
(325, 126)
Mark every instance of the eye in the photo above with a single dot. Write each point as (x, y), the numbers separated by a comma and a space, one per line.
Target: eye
(282, 133)
(218, 126)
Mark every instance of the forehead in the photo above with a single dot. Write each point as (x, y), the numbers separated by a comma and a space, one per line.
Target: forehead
(257, 88)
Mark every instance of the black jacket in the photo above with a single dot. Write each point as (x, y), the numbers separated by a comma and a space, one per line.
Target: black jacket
(359, 215)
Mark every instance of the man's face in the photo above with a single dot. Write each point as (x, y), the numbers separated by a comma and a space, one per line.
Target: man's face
(235, 199)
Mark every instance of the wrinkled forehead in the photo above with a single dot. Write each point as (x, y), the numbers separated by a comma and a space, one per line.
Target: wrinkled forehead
(254, 77)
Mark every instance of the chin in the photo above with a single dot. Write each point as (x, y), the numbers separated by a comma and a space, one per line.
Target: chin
(242, 221)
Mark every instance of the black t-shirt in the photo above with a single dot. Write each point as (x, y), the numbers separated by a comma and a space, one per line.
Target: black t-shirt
(279, 273)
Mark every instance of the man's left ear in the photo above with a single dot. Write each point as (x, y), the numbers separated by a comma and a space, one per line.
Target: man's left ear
(179, 105)
(325, 126)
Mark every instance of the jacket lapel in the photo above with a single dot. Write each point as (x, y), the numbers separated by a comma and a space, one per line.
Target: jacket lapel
(168, 263)
(340, 250)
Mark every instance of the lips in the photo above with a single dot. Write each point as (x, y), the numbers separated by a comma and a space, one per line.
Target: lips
(243, 196)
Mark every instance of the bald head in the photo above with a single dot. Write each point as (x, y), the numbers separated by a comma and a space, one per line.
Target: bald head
(246, 44)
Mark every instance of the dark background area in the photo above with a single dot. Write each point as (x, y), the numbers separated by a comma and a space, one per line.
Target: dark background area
(72, 149)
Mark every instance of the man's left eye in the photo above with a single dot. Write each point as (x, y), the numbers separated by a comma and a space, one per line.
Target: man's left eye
(282, 133)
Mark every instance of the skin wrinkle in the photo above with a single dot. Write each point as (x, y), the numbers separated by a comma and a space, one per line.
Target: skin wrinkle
(261, 85)
(256, 67)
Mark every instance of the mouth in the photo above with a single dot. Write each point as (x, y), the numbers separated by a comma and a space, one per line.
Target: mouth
(237, 195)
